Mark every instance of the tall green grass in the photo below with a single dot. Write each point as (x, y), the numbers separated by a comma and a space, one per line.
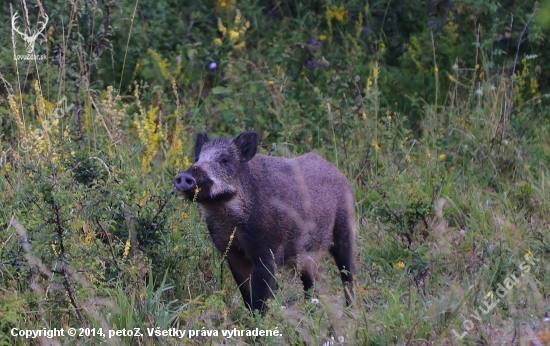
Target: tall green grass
(452, 192)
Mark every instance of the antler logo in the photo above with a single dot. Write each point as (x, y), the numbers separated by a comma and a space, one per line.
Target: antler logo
(29, 40)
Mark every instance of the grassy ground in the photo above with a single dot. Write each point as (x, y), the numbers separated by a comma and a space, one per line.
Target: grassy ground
(452, 195)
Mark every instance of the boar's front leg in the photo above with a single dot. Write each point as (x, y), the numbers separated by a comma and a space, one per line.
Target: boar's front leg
(254, 280)
(262, 283)
(309, 274)
(241, 268)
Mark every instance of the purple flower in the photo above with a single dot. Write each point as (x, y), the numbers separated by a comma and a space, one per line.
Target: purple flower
(366, 30)
(311, 64)
(212, 65)
(490, 248)
(315, 44)
(431, 24)
(462, 233)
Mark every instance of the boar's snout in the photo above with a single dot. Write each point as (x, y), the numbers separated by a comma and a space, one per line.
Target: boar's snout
(185, 182)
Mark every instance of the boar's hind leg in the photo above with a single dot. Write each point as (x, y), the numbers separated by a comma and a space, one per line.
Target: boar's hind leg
(241, 268)
(343, 251)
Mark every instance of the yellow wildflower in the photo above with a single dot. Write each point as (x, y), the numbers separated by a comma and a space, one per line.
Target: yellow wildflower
(126, 249)
(221, 27)
(218, 41)
(186, 162)
(338, 13)
(149, 132)
(369, 84)
(382, 47)
(162, 64)
(364, 115)
(408, 158)
(7, 168)
(436, 70)
(477, 66)
(40, 100)
(233, 35)
(239, 46)
(452, 78)
(17, 115)
(322, 37)
(399, 264)
(442, 157)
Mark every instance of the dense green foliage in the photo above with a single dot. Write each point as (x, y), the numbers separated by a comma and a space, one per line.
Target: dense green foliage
(436, 111)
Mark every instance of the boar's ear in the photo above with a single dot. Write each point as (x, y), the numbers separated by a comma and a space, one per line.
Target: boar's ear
(247, 143)
(201, 139)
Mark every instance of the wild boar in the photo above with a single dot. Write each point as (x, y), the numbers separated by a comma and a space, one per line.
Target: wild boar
(264, 212)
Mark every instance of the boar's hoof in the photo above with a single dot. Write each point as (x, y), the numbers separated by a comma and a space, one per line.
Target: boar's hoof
(185, 182)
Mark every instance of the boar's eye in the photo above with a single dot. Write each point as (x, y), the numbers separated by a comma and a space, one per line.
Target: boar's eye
(224, 161)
